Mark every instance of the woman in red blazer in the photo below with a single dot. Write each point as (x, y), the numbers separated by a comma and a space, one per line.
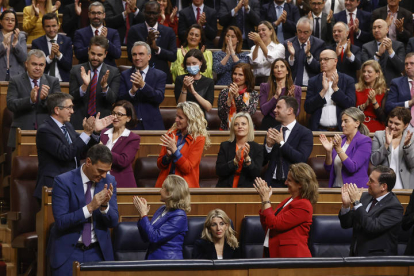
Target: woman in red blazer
(183, 145)
(287, 228)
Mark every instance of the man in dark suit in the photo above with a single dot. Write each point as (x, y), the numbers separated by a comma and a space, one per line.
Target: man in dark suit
(401, 89)
(349, 56)
(399, 20)
(75, 17)
(84, 208)
(200, 14)
(58, 48)
(410, 45)
(93, 85)
(359, 22)
(122, 15)
(84, 35)
(144, 87)
(376, 216)
(329, 93)
(286, 144)
(27, 94)
(302, 52)
(245, 14)
(59, 147)
(283, 16)
(389, 53)
(322, 22)
(371, 5)
(161, 39)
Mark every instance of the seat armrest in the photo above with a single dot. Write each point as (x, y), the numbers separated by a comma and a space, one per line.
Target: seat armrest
(14, 216)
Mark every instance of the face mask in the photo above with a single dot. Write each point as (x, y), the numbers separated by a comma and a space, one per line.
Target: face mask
(193, 69)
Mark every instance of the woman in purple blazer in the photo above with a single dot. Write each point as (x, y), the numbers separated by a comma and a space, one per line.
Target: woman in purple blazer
(123, 143)
(280, 83)
(347, 156)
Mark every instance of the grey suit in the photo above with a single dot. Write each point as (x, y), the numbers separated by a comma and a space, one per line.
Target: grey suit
(27, 115)
(391, 67)
(17, 57)
(103, 101)
(326, 29)
(382, 156)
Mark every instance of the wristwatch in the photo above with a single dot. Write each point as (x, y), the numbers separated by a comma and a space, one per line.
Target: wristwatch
(355, 203)
(247, 159)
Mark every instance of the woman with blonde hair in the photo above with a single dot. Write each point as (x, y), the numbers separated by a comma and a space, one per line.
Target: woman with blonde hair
(371, 95)
(292, 219)
(183, 145)
(168, 227)
(240, 159)
(218, 240)
(266, 49)
(32, 17)
(347, 155)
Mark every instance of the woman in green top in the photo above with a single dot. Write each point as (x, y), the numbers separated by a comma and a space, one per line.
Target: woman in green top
(195, 40)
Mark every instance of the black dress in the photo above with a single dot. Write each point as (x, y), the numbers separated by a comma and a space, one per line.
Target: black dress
(204, 249)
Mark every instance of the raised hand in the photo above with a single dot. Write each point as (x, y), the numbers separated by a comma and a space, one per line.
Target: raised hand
(330, 16)
(407, 140)
(202, 20)
(169, 143)
(263, 189)
(98, 199)
(246, 150)
(203, 48)
(238, 154)
(327, 144)
(109, 193)
(325, 82)
(78, 7)
(104, 80)
(188, 81)
(33, 94)
(389, 134)
(354, 192)
(104, 32)
(338, 49)
(86, 77)
(347, 51)
(271, 137)
(44, 92)
(173, 14)
(371, 95)
(337, 142)
(399, 25)
(141, 205)
(356, 25)
(183, 51)
(56, 6)
(16, 36)
(36, 9)
(291, 92)
(346, 201)
(255, 37)
(310, 17)
(6, 39)
(335, 79)
(389, 19)
(308, 47)
(100, 124)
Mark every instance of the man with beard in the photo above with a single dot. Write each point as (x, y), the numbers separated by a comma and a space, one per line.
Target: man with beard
(96, 28)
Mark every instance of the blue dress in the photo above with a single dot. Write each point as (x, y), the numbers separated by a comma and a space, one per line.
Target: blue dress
(224, 71)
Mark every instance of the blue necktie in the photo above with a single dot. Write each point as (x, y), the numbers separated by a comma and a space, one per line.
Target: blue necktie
(65, 132)
(280, 37)
(301, 65)
(240, 20)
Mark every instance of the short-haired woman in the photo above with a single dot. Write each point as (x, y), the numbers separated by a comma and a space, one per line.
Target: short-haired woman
(168, 227)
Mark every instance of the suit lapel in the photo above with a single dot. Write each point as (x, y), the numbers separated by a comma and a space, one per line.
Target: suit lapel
(79, 191)
(293, 133)
(45, 46)
(57, 130)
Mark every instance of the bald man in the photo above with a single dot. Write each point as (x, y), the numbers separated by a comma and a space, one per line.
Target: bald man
(329, 93)
(389, 53)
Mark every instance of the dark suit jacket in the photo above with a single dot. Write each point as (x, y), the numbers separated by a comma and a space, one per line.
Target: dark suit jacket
(103, 101)
(54, 153)
(17, 57)
(225, 168)
(166, 41)
(317, 46)
(204, 249)
(343, 98)
(26, 114)
(68, 198)
(399, 93)
(71, 21)
(346, 66)
(366, 5)
(407, 223)
(381, 13)
(187, 18)
(115, 19)
(65, 47)
(296, 149)
(17, 5)
(375, 233)
(148, 99)
(81, 45)
(364, 18)
(410, 45)
(268, 12)
(123, 155)
(391, 67)
(326, 31)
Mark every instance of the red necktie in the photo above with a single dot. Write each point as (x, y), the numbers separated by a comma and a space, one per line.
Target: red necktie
(127, 23)
(342, 55)
(351, 33)
(412, 108)
(92, 94)
(96, 32)
(37, 99)
(198, 14)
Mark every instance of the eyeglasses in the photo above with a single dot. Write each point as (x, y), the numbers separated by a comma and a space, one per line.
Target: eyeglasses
(325, 59)
(317, 4)
(70, 107)
(117, 114)
(96, 13)
(12, 20)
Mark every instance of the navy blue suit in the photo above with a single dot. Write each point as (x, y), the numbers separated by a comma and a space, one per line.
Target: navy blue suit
(268, 12)
(81, 44)
(68, 199)
(166, 41)
(65, 47)
(148, 99)
(364, 18)
(296, 149)
(346, 66)
(343, 98)
(317, 46)
(399, 93)
(410, 45)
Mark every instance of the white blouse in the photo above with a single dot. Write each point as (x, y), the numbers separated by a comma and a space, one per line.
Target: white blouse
(261, 65)
(110, 132)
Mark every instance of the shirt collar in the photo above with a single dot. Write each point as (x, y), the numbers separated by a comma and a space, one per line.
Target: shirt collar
(110, 132)
(381, 197)
(31, 80)
(149, 27)
(291, 125)
(388, 9)
(195, 7)
(354, 13)
(410, 79)
(49, 39)
(319, 16)
(282, 5)
(99, 29)
(145, 70)
(85, 179)
(98, 68)
(57, 122)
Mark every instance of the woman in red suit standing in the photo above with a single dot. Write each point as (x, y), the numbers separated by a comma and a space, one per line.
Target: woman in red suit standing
(370, 95)
(287, 227)
(168, 16)
(123, 143)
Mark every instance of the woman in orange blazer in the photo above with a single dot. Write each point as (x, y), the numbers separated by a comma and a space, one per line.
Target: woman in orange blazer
(183, 145)
(287, 228)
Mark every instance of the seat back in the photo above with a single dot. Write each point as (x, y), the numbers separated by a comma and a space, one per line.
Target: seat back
(195, 227)
(6, 124)
(317, 164)
(168, 116)
(22, 186)
(146, 171)
(257, 119)
(403, 238)
(252, 236)
(213, 119)
(328, 239)
(208, 177)
(127, 242)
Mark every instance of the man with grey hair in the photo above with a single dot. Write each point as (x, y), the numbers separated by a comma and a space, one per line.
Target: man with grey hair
(27, 94)
(144, 87)
(302, 52)
(96, 28)
(349, 56)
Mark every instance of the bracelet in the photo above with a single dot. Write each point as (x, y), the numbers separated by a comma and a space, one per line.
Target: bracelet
(406, 147)
(184, 93)
(339, 152)
(378, 56)
(265, 202)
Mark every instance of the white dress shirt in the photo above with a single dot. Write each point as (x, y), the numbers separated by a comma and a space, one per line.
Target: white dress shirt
(49, 61)
(328, 117)
(262, 64)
